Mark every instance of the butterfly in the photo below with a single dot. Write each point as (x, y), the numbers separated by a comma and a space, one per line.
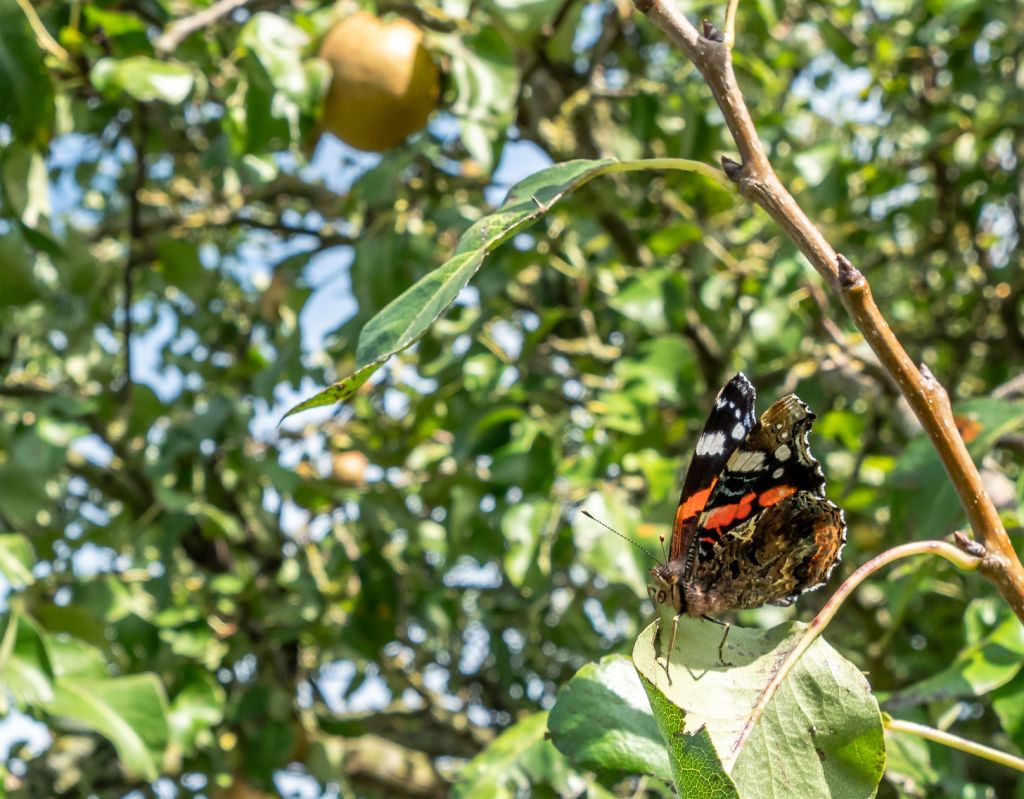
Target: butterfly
(753, 526)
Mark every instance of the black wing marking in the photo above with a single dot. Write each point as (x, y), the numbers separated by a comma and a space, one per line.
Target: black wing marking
(728, 424)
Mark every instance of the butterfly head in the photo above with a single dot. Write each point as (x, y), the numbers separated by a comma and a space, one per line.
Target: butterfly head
(667, 588)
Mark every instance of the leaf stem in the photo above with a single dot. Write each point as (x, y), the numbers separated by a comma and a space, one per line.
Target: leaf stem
(956, 556)
(677, 164)
(954, 742)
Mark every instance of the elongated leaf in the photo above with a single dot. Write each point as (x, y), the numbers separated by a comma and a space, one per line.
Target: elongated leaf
(337, 392)
(26, 101)
(493, 773)
(198, 706)
(16, 559)
(602, 721)
(408, 317)
(977, 670)
(820, 735)
(919, 472)
(131, 712)
(523, 526)
(486, 79)
(25, 666)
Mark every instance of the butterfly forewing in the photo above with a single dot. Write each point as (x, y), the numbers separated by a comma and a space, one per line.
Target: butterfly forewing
(727, 426)
(773, 463)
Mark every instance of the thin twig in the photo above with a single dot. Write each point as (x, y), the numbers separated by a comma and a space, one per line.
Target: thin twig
(954, 742)
(43, 38)
(730, 23)
(957, 555)
(756, 180)
(181, 29)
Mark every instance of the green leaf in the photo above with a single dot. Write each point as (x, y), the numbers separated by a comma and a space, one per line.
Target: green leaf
(609, 555)
(408, 317)
(16, 560)
(131, 712)
(486, 79)
(337, 392)
(1008, 704)
(405, 319)
(278, 46)
(496, 770)
(26, 101)
(696, 768)
(602, 721)
(26, 669)
(977, 670)
(197, 707)
(919, 472)
(144, 79)
(820, 735)
(523, 526)
(524, 18)
(26, 183)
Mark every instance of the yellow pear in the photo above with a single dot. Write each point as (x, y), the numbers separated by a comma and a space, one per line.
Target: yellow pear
(384, 85)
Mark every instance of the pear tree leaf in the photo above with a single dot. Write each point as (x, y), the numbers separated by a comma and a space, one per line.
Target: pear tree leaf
(403, 321)
(602, 721)
(144, 79)
(131, 712)
(16, 559)
(497, 769)
(820, 735)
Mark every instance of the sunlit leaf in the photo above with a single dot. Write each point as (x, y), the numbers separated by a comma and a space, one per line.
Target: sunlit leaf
(144, 79)
(821, 734)
(602, 721)
(131, 712)
(16, 560)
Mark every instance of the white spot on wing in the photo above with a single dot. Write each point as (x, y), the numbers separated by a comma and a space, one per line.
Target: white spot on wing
(711, 444)
(746, 460)
(782, 452)
(739, 431)
(778, 473)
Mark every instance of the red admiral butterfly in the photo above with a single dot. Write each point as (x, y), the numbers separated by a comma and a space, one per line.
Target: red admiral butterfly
(753, 525)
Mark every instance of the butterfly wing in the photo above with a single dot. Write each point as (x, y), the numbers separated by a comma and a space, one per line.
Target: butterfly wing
(771, 464)
(774, 556)
(728, 424)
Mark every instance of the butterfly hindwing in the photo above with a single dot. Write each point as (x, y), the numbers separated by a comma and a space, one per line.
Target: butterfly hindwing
(772, 557)
(728, 424)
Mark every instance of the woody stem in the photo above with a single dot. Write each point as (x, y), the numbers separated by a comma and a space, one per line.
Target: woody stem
(756, 180)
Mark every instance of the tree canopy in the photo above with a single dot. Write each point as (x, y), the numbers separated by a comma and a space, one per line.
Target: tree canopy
(386, 596)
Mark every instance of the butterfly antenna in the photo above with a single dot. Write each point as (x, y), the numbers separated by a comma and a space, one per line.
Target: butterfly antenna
(646, 551)
(664, 550)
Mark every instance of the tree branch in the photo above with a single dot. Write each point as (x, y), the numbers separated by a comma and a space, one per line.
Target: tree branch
(181, 29)
(756, 180)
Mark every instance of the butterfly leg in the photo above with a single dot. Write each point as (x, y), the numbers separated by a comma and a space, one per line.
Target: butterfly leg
(671, 646)
(725, 635)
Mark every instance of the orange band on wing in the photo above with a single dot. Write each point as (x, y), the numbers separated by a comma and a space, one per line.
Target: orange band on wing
(693, 505)
(773, 495)
(727, 514)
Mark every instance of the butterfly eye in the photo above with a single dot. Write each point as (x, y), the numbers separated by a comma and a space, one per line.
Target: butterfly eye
(662, 596)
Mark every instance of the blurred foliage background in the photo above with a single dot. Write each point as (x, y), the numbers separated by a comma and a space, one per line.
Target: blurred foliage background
(358, 603)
